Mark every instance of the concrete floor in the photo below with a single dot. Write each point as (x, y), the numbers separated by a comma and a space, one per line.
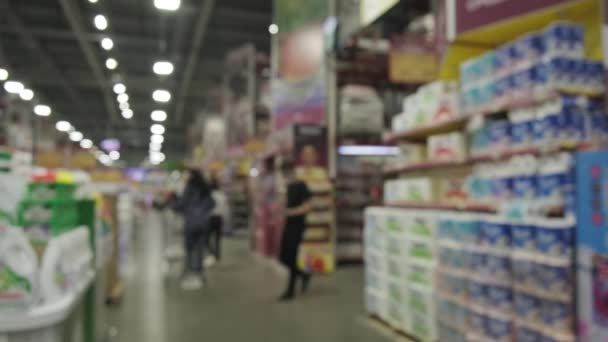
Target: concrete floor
(239, 303)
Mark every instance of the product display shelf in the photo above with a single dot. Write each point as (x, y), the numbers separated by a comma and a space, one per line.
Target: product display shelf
(465, 207)
(422, 132)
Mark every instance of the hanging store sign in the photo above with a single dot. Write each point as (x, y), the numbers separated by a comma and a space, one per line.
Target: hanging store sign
(468, 15)
(412, 59)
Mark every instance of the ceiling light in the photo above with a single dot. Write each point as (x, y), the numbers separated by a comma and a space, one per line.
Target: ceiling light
(63, 126)
(26, 94)
(127, 114)
(124, 106)
(157, 157)
(157, 129)
(93, 1)
(100, 21)
(122, 98)
(155, 147)
(167, 5)
(86, 144)
(104, 159)
(111, 63)
(42, 110)
(273, 28)
(157, 139)
(76, 136)
(159, 115)
(3, 74)
(163, 68)
(161, 95)
(114, 155)
(119, 88)
(107, 44)
(13, 87)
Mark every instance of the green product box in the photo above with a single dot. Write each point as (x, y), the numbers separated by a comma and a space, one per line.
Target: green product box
(43, 191)
(45, 219)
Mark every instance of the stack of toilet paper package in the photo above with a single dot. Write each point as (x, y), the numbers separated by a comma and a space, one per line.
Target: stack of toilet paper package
(401, 258)
(531, 68)
(505, 279)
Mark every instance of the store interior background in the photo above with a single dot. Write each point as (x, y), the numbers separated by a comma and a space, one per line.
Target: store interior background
(455, 151)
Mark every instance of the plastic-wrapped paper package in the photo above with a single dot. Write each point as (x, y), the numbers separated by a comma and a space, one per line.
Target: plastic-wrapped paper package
(18, 270)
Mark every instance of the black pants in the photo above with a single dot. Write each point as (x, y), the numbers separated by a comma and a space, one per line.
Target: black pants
(215, 235)
(195, 247)
(290, 246)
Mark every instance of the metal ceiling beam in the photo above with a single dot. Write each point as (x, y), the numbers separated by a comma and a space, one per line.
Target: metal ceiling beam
(74, 17)
(30, 42)
(202, 23)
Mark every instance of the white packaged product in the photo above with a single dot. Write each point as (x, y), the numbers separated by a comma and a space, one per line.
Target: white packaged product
(361, 110)
(18, 270)
(447, 147)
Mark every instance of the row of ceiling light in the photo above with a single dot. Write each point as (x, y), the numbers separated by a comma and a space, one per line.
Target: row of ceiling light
(26, 94)
(162, 68)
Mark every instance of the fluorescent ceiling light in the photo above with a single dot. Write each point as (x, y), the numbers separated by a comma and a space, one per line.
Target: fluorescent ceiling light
(111, 63)
(63, 126)
(127, 114)
(42, 110)
(155, 147)
(3, 74)
(13, 87)
(157, 157)
(119, 88)
(273, 28)
(368, 150)
(93, 1)
(114, 155)
(76, 136)
(26, 94)
(167, 5)
(107, 44)
(124, 106)
(163, 68)
(157, 139)
(100, 21)
(158, 115)
(122, 98)
(161, 95)
(86, 144)
(157, 129)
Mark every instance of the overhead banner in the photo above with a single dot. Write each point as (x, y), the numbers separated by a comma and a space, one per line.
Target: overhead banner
(412, 59)
(238, 98)
(469, 15)
(299, 89)
(373, 9)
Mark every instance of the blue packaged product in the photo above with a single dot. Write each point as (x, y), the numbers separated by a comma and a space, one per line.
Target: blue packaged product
(524, 273)
(498, 267)
(522, 133)
(558, 315)
(477, 322)
(555, 239)
(526, 334)
(525, 186)
(539, 127)
(524, 236)
(557, 39)
(501, 188)
(496, 233)
(541, 77)
(572, 123)
(557, 72)
(523, 82)
(500, 134)
(555, 279)
(500, 298)
(499, 328)
(478, 263)
(574, 71)
(595, 72)
(577, 40)
(445, 228)
(478, 292)
(504, 59)
(469, 231)
(446, 256)
(503, 88)
(530, 47)
(526, 307)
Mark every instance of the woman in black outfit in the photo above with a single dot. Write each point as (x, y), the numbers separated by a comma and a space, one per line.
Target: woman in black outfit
(298, 205)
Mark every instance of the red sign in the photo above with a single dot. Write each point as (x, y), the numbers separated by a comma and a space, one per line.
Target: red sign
(473, 14)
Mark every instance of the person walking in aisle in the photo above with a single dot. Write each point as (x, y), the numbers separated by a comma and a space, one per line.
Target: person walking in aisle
(297, 207)
(196, 204)
(219, 215)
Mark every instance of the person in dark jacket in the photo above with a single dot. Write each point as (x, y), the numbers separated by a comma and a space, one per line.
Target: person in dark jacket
(297, 207)
(196, 204)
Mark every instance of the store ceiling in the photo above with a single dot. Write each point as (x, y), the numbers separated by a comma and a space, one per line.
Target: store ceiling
(40, 45)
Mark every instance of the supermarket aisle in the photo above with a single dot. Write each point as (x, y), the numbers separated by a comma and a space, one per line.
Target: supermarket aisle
(239, 303)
